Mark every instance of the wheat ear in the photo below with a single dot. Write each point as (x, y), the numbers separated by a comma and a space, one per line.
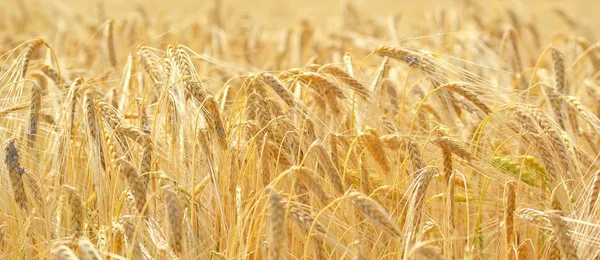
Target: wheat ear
(15, 173)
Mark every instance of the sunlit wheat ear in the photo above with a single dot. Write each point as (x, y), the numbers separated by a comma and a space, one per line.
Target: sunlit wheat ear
(376, 149)
(469, 95)
(302, 215)
(423, 251)
(77, 210)
(63, 252)
(556, 140)
(556, 103)
(410, 58)
(151, 66)
(510, 205)
(136, 184)
(175, 218)
(308, 178)
(147, 148)
(54, 76)
(87, 250)
(283, 92)
(420, 185)
(110, 42)
(31, 47)
(558, 63)
(374, 211)
(330, 91)
(132, 240)
(455, 146)
(414, 152)
(34, 187)
(216, 120)
(594, 190)
(328, 166)
(276, 225)
(34, 114)
(15, 173)
(345, 77)
(567, 248)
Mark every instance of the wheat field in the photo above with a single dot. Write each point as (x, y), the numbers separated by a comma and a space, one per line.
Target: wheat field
(299, 130)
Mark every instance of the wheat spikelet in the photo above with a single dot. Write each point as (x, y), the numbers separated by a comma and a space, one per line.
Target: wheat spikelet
(94, 129)
(175, 217)
(133, 133)
(87, 250)
(34, 114)
(110, 43)
(391, 141)
(328, 166)
(414, 152)
(545, 152)
(77, 210)
(411, 59)
(136, 184)
(426, 252)
(451, 144)
(302, 215)
(330, 91)
(214, 116)
(307, 177)
(33, 46)
(147, 148)
(15, 173)
(556, 103)
(468, 94)
(321, 84)
(151, 66)
(110, 114)
(416, 204)
(132, 240)
(518, 61)
(509, 197)
(594, 190)
(36, 190)
(447, 158)
(63, 252)
(374, 211)
(558, 63)
(283, 92)
(54, 76)
(276, 224)
(583, 112)
(376, 149)
(345, 77)
(564, 241)
(555, 139)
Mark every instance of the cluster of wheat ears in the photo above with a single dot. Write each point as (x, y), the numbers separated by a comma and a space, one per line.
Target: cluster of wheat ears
(473, 135)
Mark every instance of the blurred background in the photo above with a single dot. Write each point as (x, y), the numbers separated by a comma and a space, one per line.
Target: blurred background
(277, 13)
